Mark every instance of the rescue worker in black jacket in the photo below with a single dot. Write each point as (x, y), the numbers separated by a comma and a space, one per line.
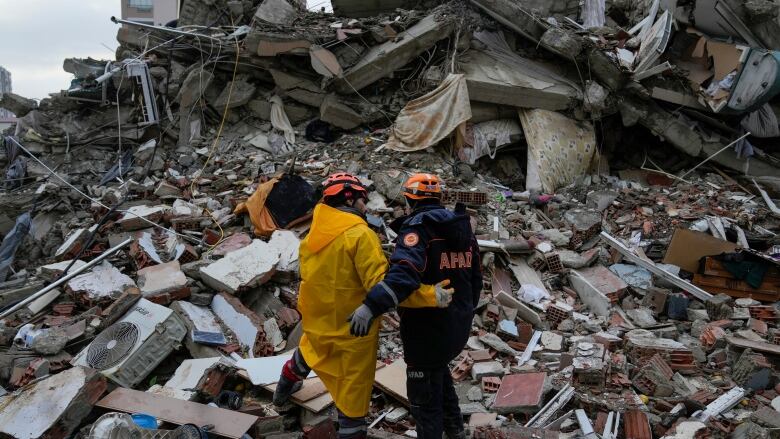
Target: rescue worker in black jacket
(435, 248)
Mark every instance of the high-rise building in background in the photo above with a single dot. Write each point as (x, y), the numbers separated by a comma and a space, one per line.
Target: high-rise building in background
(154, 12)
(5, 87)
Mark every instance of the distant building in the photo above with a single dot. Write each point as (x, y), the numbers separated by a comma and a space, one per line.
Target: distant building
(5, 87)
(154, 12)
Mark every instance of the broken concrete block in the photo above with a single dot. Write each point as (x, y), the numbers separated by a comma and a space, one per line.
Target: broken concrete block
(274, 334)
(562, 41)
(50, 341)
(276, 12)
(139, 217)
(104, 282)
(167, 191)
(240, 92)
(188, 378)
(245, 324)
(201, 325)
(496, 343)
(339, 114)
(16, 104)
(244, 268)
(590, 295)
(183, 208)
(384, 59)
(487, 369)
(551, 341)
(72, 244)
(52, 271)
(397, 414)
(484, 420)
(287, 244)
(163, 282)
(232, 243)
(492, 81)
(53, 407)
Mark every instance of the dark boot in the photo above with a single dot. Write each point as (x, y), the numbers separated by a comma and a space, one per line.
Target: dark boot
(455, 434)
(284, 389)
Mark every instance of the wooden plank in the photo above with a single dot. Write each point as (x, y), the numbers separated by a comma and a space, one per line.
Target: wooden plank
(669, 277)
(392, 380)
(227, 423)
(312, 388)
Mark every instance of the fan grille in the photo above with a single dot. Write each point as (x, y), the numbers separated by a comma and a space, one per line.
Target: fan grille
(112, 345)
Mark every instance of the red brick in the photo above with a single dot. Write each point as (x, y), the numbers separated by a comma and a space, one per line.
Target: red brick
(520, 393)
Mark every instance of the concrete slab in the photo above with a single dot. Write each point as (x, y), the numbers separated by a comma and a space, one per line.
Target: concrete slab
(53, 407)
(163, 280)
(494, 82)
(245, 324)
(104, 281)
(247, 267)
(382, 60)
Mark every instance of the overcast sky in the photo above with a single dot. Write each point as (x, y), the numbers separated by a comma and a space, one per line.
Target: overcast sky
(37, 35)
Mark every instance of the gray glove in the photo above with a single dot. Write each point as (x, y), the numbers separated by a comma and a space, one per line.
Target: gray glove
(360, 321)
(444, 294)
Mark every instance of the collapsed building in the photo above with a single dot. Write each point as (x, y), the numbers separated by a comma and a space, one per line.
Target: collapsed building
(617, 159)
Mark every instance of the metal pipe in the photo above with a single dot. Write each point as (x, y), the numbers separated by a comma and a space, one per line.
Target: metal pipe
(161, 28)
(66, 278)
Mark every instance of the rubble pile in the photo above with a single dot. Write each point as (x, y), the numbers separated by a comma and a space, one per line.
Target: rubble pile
(617, 161)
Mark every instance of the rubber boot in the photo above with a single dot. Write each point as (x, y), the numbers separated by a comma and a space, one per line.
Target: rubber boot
(284, 389)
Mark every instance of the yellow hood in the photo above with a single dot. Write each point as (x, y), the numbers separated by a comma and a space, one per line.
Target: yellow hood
(328, 223)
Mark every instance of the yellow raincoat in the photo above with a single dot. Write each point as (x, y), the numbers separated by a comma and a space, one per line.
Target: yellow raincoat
(340, 260)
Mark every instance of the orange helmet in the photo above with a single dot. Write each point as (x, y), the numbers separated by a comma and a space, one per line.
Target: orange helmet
(341, 182)
(420, 186)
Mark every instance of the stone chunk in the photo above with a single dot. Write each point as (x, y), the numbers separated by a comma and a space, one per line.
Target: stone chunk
(339, 114)
(287, 244)
(104, 282)
(487, 369)
(52, 271)
(276, 12)
(139, 217)
(242, 92)
(163, 280)
(16, 104)
(247, 267)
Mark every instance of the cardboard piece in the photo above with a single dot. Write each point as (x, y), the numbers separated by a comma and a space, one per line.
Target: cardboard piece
(725, 58)
(688, 247)
(392, 379)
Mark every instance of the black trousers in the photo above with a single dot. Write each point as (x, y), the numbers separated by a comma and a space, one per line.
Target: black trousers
(434, 403)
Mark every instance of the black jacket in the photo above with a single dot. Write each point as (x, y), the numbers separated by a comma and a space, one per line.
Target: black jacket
(433, 244)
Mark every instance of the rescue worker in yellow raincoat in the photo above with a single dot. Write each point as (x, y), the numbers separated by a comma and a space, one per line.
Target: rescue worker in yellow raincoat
(340, 259)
